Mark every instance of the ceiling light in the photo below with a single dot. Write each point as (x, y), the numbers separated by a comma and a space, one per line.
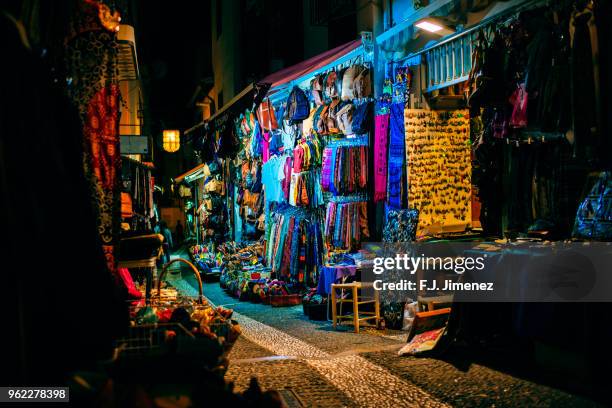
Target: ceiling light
(435, 26)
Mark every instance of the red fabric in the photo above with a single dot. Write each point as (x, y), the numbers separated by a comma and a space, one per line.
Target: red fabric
(311, 64)
(519, 111)
(126, 278)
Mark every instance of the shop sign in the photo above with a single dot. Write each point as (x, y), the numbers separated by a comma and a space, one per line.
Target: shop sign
(134, 144)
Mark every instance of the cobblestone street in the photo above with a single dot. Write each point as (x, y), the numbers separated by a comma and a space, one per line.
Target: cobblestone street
(327, 368)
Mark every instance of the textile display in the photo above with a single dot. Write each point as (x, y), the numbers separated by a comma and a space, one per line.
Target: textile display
(346, 169)
(307, 154)
(273, 174)
(439, 167)
(401, 226)
(346, 223)
(396, 155)
(95, 93)
(294, 243)
(381, 135)
(305, 189)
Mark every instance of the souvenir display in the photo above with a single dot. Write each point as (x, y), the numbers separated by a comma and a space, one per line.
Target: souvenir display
(439, 166)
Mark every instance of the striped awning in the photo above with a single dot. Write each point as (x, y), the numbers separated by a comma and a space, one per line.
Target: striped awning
(404, 39)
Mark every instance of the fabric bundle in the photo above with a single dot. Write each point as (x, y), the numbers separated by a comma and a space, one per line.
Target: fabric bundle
(346, 170)
(294, 244)
(305, 189)
(307, 154)
(346, 224)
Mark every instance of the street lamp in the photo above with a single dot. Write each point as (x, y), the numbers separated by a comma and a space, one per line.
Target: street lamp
(171, 140)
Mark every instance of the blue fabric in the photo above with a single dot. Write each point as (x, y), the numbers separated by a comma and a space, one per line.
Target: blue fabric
(396, 155)
(333, 274)
(362, 118)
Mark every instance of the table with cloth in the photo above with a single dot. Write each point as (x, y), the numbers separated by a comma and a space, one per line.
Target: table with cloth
(333, 274)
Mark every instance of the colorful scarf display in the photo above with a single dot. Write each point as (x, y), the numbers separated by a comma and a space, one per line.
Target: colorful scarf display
(381, 138)
(305, 189)
(396, 155)
(295, 243)
(347, 170)
(346, 223)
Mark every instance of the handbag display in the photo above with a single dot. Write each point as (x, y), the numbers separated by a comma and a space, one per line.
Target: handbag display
(319, 122)
(297, 106)
(332, 116)
(316, 90)
(266, 116)
(345, 118)
(362, 118)
(347, 93)
(331, 90)
(362, 85)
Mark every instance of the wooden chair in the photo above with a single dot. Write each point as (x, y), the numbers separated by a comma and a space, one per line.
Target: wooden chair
(356, 301)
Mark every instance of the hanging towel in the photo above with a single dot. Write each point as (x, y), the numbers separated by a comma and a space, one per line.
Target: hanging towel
(381, 133)
(396, 154)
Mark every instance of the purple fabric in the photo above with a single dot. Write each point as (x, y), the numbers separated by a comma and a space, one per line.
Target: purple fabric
(265, 144)
(333, 274)
(326, 168)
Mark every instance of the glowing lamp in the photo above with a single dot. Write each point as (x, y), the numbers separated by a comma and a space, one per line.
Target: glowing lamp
(171, 140)
(434, 26)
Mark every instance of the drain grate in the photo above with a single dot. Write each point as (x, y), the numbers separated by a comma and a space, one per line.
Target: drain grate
(290, 398)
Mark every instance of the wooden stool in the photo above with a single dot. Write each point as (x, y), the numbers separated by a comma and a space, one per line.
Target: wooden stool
(356, 301)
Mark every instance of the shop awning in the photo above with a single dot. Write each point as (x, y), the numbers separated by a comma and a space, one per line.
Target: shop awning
(196, 173)
(249, 98)
(284, 78)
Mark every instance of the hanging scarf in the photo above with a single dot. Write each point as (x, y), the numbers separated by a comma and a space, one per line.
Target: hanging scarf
(381, 131)
(396, 154)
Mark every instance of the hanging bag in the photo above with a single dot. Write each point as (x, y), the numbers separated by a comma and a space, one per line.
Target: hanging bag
(297, 106)
(266, 116)
(316, 89)
(362, 118)
(319, 123)
(345, 119)
(331, 91)
(332, 116)
(348, 78)
(362, 85)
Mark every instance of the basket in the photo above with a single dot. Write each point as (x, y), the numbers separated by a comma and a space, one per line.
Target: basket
(317, 311)
(285, 300)
(148, 354)
(200, 299)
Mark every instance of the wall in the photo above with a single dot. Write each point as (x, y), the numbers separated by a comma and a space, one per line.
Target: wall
(315, 37)
(398, 11)
(225, 50)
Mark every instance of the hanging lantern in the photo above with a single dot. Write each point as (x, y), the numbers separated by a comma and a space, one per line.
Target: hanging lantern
(171, 140)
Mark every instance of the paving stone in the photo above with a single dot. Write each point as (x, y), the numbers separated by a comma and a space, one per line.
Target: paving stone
(329, 368)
